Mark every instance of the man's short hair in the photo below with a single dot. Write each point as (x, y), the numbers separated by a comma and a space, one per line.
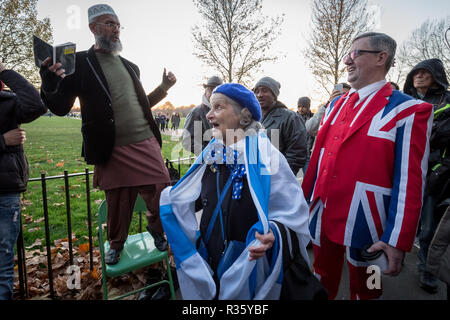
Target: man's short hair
(381, 41)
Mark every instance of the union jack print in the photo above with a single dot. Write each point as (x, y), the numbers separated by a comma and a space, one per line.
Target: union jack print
(373, 185)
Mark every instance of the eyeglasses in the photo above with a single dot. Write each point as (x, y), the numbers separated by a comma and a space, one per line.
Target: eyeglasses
(112, 26)
(352, 55)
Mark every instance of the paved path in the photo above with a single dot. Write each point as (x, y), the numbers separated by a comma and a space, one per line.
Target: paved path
(403, 287)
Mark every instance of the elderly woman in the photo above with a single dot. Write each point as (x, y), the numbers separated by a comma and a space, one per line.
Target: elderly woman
(244, 185)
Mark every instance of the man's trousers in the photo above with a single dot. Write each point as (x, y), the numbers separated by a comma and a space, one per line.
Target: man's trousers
(328, 263)
(121, 203)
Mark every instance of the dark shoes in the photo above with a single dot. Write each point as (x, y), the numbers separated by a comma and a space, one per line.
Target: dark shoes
(160, 241)
(112, 256)
(428, 282)
(163, 293)
(160, 292)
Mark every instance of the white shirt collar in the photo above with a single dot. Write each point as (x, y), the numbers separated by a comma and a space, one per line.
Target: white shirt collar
(367, 90)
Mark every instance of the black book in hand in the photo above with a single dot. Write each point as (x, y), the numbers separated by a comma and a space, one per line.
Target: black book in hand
(63, 53)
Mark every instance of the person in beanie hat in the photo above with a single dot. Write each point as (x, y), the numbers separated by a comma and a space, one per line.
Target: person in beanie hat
(120, 136)
(304, 107)
(304, 111)
(196, 133)
(234, 178)
(213, 82)
(427, 81)
(284, 128)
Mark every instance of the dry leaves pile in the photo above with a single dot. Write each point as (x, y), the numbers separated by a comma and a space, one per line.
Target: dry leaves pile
(90, 281)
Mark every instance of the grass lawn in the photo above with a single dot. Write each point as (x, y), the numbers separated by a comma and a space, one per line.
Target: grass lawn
(54, 145)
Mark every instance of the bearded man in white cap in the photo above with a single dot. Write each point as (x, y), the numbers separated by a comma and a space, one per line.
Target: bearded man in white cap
(120, 136)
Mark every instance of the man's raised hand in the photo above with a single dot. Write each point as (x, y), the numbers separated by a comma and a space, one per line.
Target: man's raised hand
(168, 80)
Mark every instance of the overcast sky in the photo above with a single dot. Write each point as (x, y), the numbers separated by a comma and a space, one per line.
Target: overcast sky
(157, 34)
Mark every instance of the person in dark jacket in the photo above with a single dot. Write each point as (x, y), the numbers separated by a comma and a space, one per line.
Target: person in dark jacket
(196, 123)
(304, 111)
(427, 81)
(22, 105)
(162, 122)
(120, 136)
(285, 129)
(157, 121)
(175, 120)
(167, 122)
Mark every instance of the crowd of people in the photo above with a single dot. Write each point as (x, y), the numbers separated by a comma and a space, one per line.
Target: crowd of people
(375, 164)
(162, 121)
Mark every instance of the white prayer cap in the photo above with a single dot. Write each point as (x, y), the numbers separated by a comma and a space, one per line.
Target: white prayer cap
(99, 10)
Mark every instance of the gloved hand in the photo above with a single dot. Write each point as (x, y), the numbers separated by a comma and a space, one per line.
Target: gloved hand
(168, 80)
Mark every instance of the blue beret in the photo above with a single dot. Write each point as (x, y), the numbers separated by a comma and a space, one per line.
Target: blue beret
(243, 96)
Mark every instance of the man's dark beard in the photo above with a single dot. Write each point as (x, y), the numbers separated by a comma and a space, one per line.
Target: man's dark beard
(107, 45)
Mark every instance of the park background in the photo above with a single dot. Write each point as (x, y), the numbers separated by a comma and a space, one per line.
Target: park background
(157, 34)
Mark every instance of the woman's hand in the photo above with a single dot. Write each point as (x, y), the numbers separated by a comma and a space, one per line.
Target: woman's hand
(267, 241)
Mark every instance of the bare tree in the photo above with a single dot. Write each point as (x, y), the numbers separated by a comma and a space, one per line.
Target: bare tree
(18, 23)
(234, 37)
(425, 42)
(334, 25)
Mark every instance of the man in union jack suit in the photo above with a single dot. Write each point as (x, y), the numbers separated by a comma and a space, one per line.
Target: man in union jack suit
(366, 176)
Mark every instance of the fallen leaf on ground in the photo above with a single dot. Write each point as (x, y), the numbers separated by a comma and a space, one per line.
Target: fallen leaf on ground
(83, 247)
(38, 242)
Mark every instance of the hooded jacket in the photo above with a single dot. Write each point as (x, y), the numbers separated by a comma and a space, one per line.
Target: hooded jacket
(20, 106)
(439, 96)
(438, 176)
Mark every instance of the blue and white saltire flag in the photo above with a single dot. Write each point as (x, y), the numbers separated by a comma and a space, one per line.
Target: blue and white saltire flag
(277, 196)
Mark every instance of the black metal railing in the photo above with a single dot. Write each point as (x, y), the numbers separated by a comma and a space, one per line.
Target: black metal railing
(21, 254)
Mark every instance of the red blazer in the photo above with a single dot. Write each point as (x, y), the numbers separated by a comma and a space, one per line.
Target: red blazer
(375, 189)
